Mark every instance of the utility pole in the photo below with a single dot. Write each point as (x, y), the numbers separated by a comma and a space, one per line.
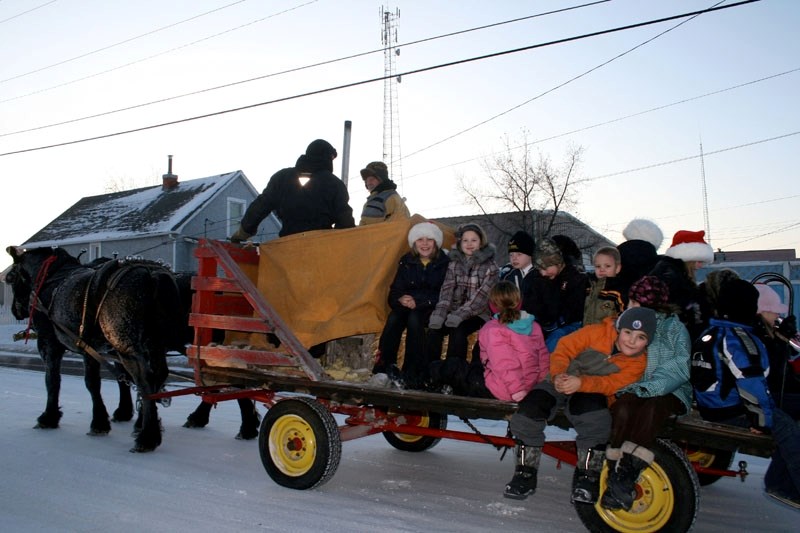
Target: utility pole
(391, 114)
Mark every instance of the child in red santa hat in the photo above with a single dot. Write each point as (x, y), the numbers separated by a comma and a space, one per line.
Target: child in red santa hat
(677, 268)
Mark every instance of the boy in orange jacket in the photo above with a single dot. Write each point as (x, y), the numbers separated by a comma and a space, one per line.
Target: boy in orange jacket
(586, 370)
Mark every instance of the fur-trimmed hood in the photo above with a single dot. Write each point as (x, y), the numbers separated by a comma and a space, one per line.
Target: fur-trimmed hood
(487, 253)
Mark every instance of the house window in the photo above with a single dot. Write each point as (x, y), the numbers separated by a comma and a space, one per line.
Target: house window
(94, 252)
(236, 210)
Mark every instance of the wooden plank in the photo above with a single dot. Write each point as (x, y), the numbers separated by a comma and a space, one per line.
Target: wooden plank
(312, 367)
(215, 284)
(234, 323)
(239, 356)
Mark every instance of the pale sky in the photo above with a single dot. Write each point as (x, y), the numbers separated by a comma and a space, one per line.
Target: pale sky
(640, 118)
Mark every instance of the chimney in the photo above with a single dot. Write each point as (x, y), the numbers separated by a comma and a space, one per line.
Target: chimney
(169, 180)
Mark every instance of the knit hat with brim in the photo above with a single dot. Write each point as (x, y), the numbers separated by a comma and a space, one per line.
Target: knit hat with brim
(377, 169)
(690, 246)
(548, 254)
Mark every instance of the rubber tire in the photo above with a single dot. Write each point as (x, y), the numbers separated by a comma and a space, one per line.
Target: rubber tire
(711, 458)
(304, 422)
(672, 507)
(417, 443)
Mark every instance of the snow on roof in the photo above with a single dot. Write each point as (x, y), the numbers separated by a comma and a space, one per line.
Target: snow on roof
(133, 213)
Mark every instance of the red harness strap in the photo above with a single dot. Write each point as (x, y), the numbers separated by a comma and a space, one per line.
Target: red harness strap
(41, 276)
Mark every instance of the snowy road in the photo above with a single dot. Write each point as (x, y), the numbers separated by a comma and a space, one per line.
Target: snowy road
(204, 480)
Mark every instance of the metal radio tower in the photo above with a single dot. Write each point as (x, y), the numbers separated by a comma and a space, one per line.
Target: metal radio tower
(391, 114)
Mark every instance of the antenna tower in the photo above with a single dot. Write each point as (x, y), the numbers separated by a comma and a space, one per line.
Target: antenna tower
(706, 223)
(391, 114)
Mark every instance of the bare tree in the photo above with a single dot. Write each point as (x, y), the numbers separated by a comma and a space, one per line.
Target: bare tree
(127, 183)
(526, 183)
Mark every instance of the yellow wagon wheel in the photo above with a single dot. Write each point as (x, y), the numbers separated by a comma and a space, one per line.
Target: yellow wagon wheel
(299, 443)
(667, 497)
(417, 443)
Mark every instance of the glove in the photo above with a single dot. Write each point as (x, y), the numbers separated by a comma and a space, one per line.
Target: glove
(435, 322)
(788, 327)
(240, 236)
(452, 321)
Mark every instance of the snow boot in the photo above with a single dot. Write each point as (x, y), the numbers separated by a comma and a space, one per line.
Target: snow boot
(586, 479)
(523, 484)
(621, 487)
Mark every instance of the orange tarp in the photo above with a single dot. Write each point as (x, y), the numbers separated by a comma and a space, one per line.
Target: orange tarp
(329, 284)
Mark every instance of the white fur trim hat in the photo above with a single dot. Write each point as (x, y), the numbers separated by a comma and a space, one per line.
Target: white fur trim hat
(425, 229)
(690, 246)
(641, 229)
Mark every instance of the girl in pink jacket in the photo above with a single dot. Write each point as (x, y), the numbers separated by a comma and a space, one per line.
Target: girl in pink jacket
(513, 350)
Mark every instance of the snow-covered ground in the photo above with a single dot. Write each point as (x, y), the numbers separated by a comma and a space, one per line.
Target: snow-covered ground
(205, 480)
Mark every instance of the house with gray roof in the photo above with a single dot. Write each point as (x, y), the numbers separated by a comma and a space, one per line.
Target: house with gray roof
(162, 222)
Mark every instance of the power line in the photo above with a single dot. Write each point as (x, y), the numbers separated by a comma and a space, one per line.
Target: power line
(28, 11)
(65, 61)
(687, 158)
(567, 82)
(381, 78)
(287, 71)
(781, 230)
(618, 119)
(164, 52)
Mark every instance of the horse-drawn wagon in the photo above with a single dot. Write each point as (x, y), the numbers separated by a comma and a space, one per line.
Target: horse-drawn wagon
(300, 439)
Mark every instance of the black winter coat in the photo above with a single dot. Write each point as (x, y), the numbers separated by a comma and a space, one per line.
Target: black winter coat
(321, 204)
(418, 281)
(525, 286)
(560, 301)
(683, 292)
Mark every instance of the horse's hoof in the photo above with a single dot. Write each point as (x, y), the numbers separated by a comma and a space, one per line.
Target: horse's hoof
(98, 432)
(39, 425)
(122, 417)
(246, 436)
(193, 424)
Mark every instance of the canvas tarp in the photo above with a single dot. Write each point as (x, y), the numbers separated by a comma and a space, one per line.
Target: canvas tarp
(329, 284)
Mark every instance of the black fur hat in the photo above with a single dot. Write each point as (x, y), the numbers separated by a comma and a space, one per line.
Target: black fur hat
(738, 301)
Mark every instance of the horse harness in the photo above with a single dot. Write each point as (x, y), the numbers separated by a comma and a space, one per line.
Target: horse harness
(78, 340)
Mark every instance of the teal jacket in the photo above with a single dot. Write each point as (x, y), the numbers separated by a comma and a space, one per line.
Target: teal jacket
(667, 369)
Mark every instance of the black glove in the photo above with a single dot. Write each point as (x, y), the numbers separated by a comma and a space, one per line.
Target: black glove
(788, 327)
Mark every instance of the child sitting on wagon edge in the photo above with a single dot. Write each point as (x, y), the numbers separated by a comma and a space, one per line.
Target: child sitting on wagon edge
(512, 346)
(611, 355)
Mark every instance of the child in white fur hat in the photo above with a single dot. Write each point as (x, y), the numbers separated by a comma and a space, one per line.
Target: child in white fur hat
(413, 295)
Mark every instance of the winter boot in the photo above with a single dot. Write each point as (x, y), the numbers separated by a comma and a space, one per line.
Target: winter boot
(523, 484)
(586, 479)
(621, 488)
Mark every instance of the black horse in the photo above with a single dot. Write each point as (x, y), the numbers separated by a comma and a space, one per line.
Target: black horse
(125, 312)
